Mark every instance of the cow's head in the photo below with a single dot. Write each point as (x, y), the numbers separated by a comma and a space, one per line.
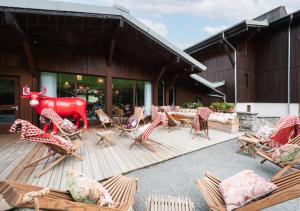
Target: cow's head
(33, 96)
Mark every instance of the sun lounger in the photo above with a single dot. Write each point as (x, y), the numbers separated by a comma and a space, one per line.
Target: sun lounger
(122, 190)
(57, 145)
(288, 188)
(167, 203)
(104, 118)
(143, 137)
(285, 128)
(200, 122)
(48, 115)
(137, 116)
(285, 166)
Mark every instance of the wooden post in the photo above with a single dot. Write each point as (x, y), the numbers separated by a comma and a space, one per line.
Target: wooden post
(155, 93)
(108, 89)
(155, 86)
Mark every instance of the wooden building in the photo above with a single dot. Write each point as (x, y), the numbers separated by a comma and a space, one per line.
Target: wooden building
(267, 58)
(102, 54)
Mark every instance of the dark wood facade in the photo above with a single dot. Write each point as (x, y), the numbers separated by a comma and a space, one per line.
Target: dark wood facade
(89, 46)
(262, 64)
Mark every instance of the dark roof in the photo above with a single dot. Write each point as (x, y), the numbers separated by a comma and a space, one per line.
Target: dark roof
(244, 26)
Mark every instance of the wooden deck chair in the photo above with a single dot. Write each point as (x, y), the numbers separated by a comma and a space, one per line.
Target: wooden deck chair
(57, 145)
(203, 126)
(143, 118)
(49, 115)
(56, 150)
(167, 203)
(143, 137)
(122, 190)
(172, 123)
(288, 188)
(104, 118)
(138, 113)
(285, 166)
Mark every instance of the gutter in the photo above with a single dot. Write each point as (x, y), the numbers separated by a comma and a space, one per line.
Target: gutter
(235, 66)
(289, 64)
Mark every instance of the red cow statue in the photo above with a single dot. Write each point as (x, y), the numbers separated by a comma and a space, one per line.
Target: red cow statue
(63, 106)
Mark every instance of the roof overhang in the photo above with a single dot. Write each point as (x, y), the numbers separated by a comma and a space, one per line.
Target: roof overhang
(229, 32)
(66, 8)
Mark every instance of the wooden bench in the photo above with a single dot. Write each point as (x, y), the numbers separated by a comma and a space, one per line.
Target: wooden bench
(231, 127)
(166, 203)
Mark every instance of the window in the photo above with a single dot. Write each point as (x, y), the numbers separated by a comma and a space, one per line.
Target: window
(130, 93)
(90, 88)
(172, 96)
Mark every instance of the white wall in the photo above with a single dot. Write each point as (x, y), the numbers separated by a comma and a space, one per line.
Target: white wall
(269, 109)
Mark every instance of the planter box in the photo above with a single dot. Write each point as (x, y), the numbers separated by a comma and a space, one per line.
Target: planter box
(231, 127)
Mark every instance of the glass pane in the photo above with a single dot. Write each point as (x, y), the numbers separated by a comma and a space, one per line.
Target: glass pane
(91, 89)
(140, 93)
(7, 92)
(7, 116)
(65, 85)
(172, 95)
(123, 95)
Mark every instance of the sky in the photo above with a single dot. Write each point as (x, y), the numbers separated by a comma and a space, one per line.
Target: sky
(187, 22)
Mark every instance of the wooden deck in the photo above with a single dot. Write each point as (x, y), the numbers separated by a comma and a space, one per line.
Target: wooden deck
(99, 163)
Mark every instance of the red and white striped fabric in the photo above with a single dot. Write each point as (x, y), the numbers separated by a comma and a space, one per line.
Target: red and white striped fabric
(286, 127)
(148, 130)
(203, 113)
(29, 132)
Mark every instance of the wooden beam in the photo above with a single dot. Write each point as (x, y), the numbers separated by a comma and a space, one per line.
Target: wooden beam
(26, 43)
(111, 52)
(161, 72)
(172, 82)
(228, 52)
(108, 88)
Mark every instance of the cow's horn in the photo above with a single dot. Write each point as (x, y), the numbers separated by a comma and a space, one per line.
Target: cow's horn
(44, 90)
(26, 89)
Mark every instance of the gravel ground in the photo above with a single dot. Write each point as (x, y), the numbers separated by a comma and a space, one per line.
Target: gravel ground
(177, 177)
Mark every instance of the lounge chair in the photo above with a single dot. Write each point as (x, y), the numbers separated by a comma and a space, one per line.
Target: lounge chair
(285, 166)
(288, 188)
(138, 113)
(143, 137)
(58, 145)
(167, 203)
(122, 190)
(119, 113)
(104, 118)
(48, 116)
(284, 127)
(172, 123)
(200, 122)
(143, 118)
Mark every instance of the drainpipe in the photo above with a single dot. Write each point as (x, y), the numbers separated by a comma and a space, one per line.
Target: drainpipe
(289, 65)
(235, 70)
(219, 96)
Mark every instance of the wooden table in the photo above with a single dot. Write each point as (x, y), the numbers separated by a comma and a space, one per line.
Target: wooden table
(105, 138)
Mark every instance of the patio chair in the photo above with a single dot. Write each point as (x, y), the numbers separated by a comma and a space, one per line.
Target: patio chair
(172, 123)
(122, 190)
(67, 131)
(119, 113)
(138, 113)
(285, 166)
(143, 137)
(288, 188)
(143, 118)
(166, 203)
(57, 145)
(200, 122)
(285, 128)
(104, 119)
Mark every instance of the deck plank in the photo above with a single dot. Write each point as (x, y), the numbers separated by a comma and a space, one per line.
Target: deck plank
(100, 162)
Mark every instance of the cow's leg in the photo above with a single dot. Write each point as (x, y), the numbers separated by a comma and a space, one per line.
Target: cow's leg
(55, 130)
(77, 121)
(45, 128)
(84, 119)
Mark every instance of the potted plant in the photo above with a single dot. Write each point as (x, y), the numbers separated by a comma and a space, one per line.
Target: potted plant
(230, 107)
